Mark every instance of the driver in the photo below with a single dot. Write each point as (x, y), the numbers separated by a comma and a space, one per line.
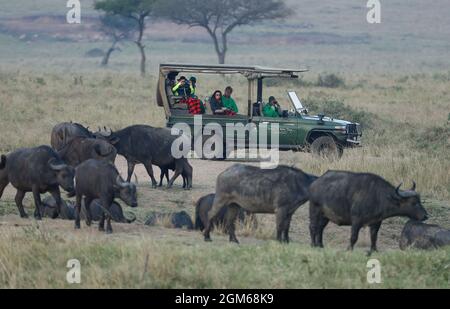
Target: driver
(272, 109)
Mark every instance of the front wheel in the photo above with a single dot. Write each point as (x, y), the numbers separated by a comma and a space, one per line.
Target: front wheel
(326, 147)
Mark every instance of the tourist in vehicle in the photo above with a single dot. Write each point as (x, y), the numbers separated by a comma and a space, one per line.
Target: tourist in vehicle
(217, 105)
(182, 88)
(228, 101)
(272, 109)
(193, 86)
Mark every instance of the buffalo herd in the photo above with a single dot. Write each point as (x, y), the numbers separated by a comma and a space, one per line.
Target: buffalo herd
(82, 163)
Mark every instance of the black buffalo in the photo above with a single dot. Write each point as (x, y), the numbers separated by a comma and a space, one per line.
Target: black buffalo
(178, 220)
(97, 179)
(68, 211)
(36, 170)
(204, 205)
(358, 200)
(62, 133)
(146, 145)
(279, 191)
(115, 210)
(80, 149)
(49, 209)
(419, 235)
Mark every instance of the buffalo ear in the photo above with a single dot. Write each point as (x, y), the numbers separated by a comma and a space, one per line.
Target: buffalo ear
(114, 140)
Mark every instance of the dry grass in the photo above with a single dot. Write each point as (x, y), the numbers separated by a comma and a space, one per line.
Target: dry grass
(34, 255)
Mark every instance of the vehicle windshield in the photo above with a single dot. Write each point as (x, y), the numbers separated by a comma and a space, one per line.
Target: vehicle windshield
(295, 100)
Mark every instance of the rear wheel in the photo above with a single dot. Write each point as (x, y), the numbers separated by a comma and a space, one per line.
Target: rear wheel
(326, 147)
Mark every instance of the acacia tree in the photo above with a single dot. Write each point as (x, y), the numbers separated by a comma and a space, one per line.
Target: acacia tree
(137, 10)
(220, 17)
(118, 28)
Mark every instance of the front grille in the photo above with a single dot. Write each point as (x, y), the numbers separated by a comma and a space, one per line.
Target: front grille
(352, 129)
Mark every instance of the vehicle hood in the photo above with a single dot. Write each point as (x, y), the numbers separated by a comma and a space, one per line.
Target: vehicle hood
(327, 120)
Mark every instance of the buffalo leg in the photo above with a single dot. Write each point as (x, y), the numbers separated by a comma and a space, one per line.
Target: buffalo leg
(177, 173)
(374, 228)
(314, 222)
(149, 168)
(101, 224)
(212, 214)
(230, 222)
(19, 202)
(3, 183)
(323, 222)
(106, 203)
(164, 173)
(356, 227)
(37, 203)
(56, 194)
(87, 206)
(282, 222)
(287, 226)
(131, 166)
(77, 211)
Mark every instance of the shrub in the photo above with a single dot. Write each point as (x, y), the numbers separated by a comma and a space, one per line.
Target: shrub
(336, 108)
(330, 81)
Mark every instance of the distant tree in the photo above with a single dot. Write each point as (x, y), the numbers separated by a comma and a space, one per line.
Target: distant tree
(220, 17)
(137, 10)
(118, 28)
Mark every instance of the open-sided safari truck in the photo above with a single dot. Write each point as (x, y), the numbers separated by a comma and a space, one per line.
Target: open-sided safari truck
(322, 135)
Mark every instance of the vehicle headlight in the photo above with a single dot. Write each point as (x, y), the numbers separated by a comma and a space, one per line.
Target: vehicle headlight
(341, 128)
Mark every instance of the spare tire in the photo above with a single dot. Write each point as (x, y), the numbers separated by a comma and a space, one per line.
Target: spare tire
(326, 147)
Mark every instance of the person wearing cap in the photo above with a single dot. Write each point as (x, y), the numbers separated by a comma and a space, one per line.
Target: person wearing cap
(272, 108)
(228, 101)
(182, 88)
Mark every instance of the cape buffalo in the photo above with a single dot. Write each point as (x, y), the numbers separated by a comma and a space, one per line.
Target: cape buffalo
(358, 200)
(68, 210)
(424, 236)
(80, 149)
(204, 205)
(36, 170)
(49, 206)
(280, 191)
(96, 179)
(178, 220)
(149, 146)
(165, 173)
(62, 133)
(115, 210)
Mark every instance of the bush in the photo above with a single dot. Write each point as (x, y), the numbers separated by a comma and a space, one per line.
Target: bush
(436, 138)
(330, 81)
(336, 108)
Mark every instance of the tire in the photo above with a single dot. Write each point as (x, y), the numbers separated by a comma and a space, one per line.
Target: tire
(326, 147)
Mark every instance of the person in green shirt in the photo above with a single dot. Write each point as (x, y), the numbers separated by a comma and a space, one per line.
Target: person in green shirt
(272, 108)
(228, 101)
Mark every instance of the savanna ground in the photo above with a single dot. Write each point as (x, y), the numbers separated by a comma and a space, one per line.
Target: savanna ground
(393, 79)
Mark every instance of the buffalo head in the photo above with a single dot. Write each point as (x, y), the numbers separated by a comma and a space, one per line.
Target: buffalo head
(410, 204)
(64, 174)
(127, 192)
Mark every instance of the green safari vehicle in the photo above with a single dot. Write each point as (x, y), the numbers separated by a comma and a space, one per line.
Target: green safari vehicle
(298, 131)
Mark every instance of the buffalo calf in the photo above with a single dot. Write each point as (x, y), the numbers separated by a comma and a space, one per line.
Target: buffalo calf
(424, 236)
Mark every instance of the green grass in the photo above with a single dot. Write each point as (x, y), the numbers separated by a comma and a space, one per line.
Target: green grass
(37, 258)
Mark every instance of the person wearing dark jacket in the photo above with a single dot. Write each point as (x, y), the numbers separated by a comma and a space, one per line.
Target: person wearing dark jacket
(217, 104)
